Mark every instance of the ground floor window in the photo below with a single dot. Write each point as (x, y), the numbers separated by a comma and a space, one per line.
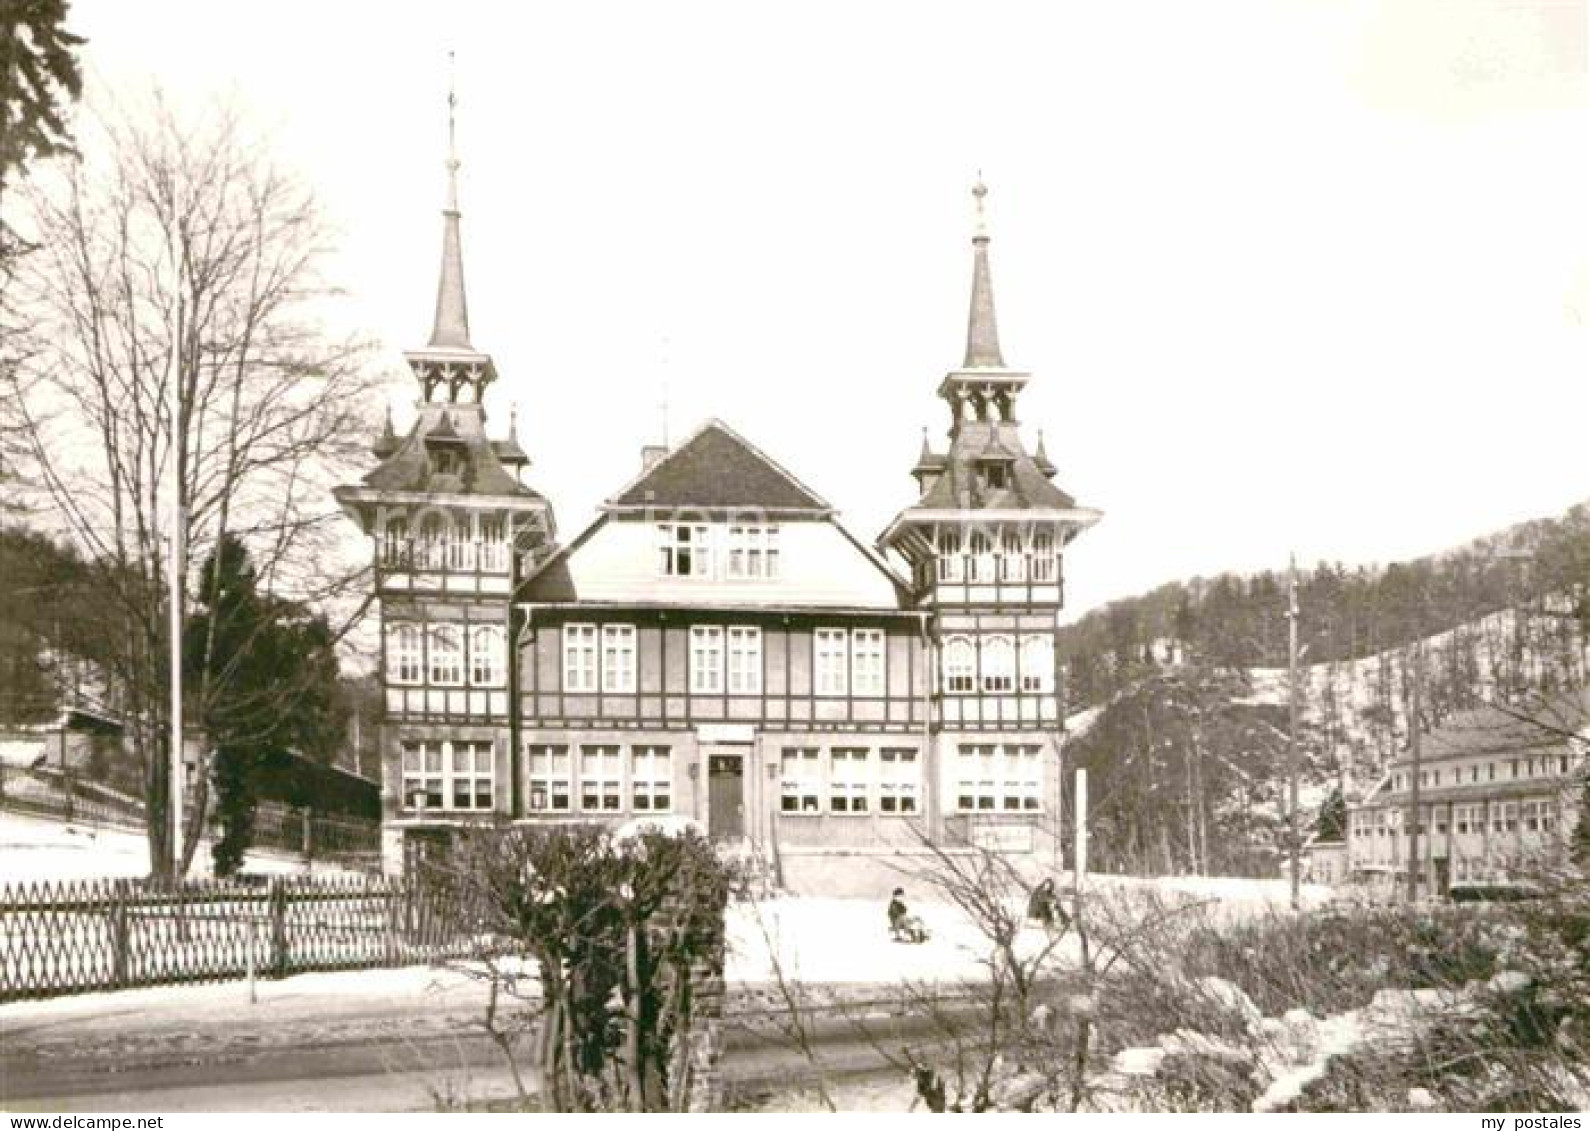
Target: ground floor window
(802, 780)
(651, 779)
(551, 779)
(898, 780)
(849, 780)
(601, 778)
(1002, 777)
(448, 776)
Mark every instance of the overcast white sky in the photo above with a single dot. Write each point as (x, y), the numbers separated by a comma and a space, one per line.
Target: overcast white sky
(1307, 274)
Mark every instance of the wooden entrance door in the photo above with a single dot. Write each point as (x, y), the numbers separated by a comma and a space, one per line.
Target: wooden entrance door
(725, 795)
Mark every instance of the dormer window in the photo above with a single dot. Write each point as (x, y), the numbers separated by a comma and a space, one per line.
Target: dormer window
(444, 463)
(684, 549)
(996, 476)
(753, 551)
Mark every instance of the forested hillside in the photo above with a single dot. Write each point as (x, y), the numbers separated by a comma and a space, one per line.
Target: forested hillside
(1182, 692)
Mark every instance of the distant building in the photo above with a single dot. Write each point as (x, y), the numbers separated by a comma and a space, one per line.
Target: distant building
(1499, 793)
(716, 645)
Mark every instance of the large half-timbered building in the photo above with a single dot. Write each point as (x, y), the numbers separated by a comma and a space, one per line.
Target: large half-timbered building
(716, 645)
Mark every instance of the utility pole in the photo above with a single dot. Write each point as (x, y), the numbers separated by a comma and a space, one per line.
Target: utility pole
(1291, 738)
(1414, 749)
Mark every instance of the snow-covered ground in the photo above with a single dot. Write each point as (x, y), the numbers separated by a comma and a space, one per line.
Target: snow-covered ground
(37, 849)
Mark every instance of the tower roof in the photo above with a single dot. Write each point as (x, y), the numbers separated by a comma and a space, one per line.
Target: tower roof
(982, 328)
(451, 328)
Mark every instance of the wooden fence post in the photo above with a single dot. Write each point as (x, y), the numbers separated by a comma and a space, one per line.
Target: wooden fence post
(118, 934)
(278, 919)
(308, 837)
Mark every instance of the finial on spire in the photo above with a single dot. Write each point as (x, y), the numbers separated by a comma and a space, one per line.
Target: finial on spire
(982, 329)
(451, 328)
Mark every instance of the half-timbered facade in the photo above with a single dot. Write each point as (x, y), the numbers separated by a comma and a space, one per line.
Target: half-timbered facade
(716, 645)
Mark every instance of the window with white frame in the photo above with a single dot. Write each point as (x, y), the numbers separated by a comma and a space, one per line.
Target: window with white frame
(579, 658)
(447, 776)
(706, 659)
(431, 553)
(395, 541)
(447, 655)
(831, 661)
(949, 556)
(408, 653)
(1004, 777)
(1037, 663)
(849, 779)
(999, 664)
(981, 565)
(899, 780)
(801, 780)
(684, 549)
(487, 655)
(1012, 557)
(866, 661)
(1045, 565)
(960, 666)
(745, 660)
(460, 542)
(493, 543)
(601, 779)
(753, 551)
(551, 779)
(651, 779)
(618, 658)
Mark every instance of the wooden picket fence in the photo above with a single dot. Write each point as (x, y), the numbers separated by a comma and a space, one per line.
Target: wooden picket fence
(74, 937)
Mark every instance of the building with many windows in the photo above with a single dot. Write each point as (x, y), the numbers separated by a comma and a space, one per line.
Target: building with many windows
(716, 644)
(1499, 795)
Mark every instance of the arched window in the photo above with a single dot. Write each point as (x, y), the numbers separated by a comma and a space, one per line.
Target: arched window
(487, 656)
(960, 666)
(493, 543)
(999, 664)
(950, 563)
(406, 654)
(1037, 664)
(447, 655)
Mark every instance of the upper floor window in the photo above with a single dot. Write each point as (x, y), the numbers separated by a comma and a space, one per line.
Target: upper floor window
(1037, 664)
(493, 543)
(579, 657)
(981, 562)
(395, 541)
(999, 665)
(706, 659)
(745, 661)
(831, 656)
(487, 655)
(447, 654)
(618, 658)
(685, 549)
(753, 551)
(1045, 564)
(996, 476)
(960, 666)
(950, 563)
(866, 661)
(408, 653)
(431, 552)
(1012, 557)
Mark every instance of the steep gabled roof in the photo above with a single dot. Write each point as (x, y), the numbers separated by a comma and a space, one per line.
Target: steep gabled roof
(716, 468)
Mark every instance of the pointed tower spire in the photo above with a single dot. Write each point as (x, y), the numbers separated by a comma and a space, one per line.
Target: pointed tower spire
(451, 329)
(982, 330)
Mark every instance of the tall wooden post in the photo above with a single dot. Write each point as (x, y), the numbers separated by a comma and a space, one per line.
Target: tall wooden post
(1291, 738)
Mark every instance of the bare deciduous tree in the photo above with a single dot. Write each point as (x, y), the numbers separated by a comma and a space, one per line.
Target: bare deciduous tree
(179, 363)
